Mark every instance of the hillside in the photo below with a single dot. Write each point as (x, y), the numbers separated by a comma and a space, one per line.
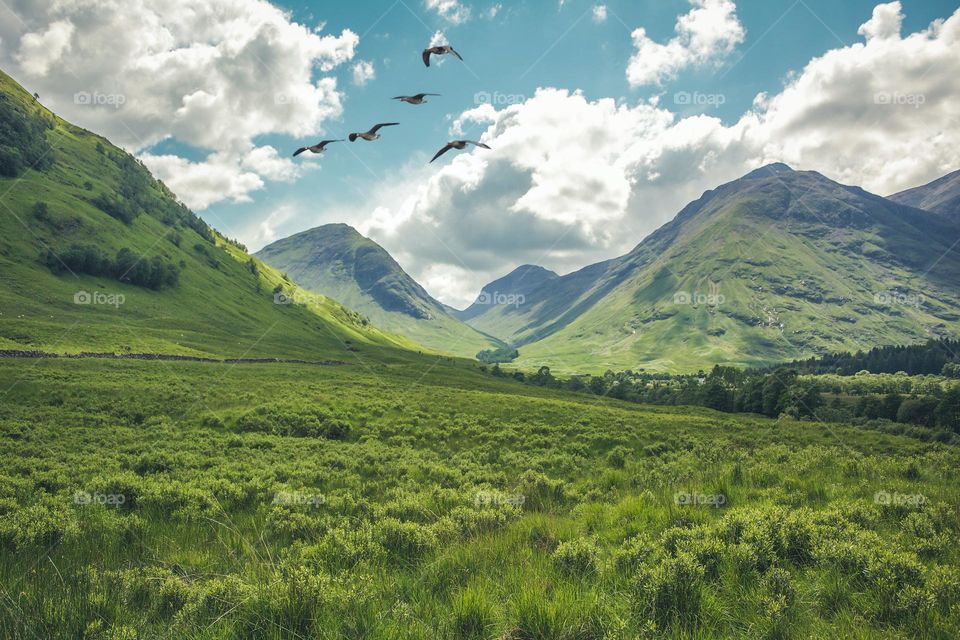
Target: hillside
(336, 261)
(96, 255)
(940, 196)
(777, 265)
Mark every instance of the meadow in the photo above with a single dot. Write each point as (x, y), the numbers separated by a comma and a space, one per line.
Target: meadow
(428, 499)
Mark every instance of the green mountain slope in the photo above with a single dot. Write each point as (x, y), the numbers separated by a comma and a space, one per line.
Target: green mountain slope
(940, 196)
(777, 265)
(96, 255)
(336, 261)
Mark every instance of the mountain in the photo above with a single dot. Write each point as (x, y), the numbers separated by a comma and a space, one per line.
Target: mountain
(777, 265)
(97, 255)
(337, 261)
(940, 196)
(510, 290)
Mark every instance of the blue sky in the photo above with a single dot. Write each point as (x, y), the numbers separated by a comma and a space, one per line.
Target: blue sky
(209, 124)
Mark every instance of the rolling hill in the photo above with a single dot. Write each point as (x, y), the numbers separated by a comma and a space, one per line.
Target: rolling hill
(777, 265)
(97, 255)
(337, 261)
(940, 196)
(511, 290)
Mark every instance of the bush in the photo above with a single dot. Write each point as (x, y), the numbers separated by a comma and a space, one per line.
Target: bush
(672, 593)
(576, 558)
(405, 540)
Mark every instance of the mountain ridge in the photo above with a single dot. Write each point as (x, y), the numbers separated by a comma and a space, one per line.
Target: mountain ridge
(338, 261)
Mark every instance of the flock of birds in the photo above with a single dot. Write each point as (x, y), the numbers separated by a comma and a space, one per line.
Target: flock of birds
(419, 98)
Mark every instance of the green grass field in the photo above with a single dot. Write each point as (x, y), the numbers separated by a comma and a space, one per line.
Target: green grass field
(428, 500)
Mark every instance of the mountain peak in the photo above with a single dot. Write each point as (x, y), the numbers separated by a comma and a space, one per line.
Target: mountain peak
(768, 170)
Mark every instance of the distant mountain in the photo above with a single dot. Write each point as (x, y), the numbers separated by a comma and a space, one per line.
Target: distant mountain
(337, 261)
(940, 196)
(777, 265)
(97, 255)
(510, 290)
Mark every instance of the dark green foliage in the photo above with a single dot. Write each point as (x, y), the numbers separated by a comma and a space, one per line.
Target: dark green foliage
(918, 359)
(152, 273)
(503, 354)
(23, 140)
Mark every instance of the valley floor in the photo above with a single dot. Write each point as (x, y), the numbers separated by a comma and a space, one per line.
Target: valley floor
(427, 500)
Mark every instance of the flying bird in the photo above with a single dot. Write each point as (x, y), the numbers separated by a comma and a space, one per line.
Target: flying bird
(320, 147)
(417, 99)
(438, 51)
(372, 134)
(458, 144)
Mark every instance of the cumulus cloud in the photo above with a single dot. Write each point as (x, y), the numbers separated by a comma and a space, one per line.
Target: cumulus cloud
(706, 34)
(572, 180)
(600, 13)
(452, 11)
(39, 51)
(363, 72)
(214, 74)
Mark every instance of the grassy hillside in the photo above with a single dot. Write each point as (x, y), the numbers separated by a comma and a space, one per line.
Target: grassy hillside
(282, 501)
(90, 219)
(335, 260)
(940, 196)
(775, 266)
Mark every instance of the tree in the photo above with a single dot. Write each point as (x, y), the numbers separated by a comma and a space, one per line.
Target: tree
(947, 413)
(918, 411)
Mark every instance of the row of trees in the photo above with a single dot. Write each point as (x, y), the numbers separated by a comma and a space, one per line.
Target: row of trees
(127, 266)
(935, 357)
(782, 391)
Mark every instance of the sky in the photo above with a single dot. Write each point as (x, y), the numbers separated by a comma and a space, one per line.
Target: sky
(603, 118)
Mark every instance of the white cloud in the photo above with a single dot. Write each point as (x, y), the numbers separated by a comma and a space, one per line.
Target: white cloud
(363, 72)
(200, 184)
(438, 38)
(885, 22)
(571, 180)
(452, 11)
(600, 13)
(214, 74)
(707, 33)
(39, 51)
(266, 162)
(493, 11)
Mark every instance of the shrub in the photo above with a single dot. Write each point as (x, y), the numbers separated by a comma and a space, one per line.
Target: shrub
(576, 558)
(405, 540)
(672, 592)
